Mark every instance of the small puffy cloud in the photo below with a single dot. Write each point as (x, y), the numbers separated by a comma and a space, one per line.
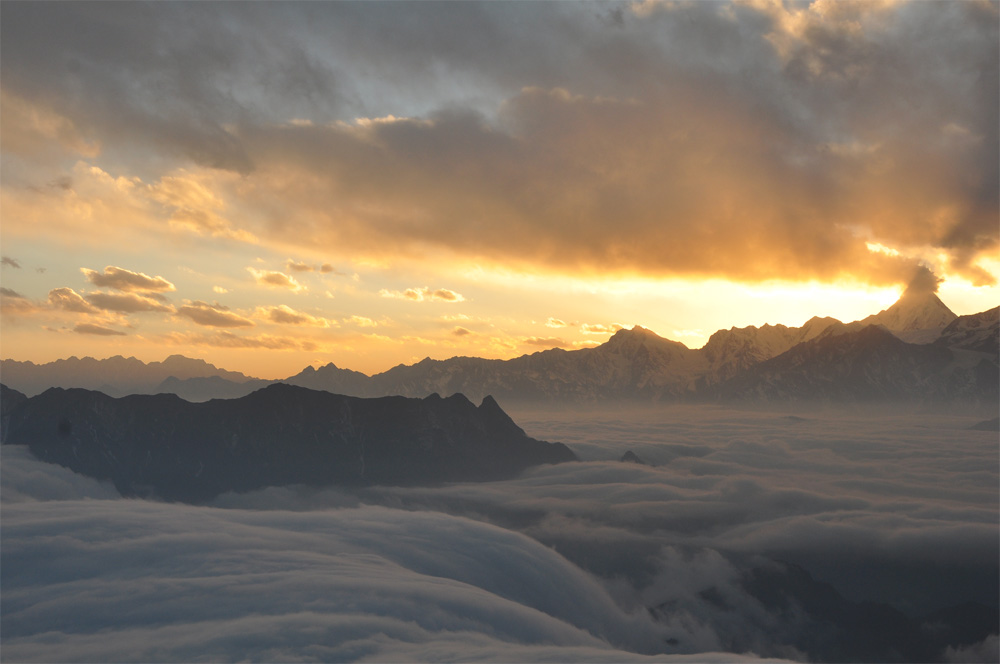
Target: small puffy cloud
(361, 321)
(126, 280)
(70, 300)
(275, 279)
(285, 315)
(220, 290)
(89, 328)
(126, 303)
(547, 342)
(298, 266)
(213, 315)
(446, 295)
(424, 294)
(588, 328)
(555, 322)
(7, 261)
(459, 331)
(326, 268)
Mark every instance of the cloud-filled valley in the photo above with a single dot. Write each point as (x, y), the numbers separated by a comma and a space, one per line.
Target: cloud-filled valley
(591, 561)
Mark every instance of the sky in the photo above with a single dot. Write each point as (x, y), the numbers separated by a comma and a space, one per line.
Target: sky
(269, 186)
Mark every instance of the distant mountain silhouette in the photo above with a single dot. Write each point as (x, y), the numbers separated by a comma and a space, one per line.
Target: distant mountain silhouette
(282, 434)
(208, 387)
(987, 425)
(115, 375)
(332, 379)
(958, 361)
(632, 457)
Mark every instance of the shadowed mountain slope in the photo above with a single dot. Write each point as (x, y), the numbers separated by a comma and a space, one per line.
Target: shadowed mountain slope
(870, 364)
(165, 446)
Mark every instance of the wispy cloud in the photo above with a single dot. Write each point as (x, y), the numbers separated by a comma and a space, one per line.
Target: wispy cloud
(285, 315)
(90, 328)
(126, 280)
(212, 315)
(424, 295)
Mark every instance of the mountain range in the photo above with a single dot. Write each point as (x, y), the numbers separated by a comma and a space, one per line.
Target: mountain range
(915, 350)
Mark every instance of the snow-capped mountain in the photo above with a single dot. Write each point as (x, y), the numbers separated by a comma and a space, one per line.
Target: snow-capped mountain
(976, 332)
(918, 316)
(634, 365)
(729, 352)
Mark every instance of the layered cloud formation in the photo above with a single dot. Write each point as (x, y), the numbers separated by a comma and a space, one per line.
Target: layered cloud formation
(749, 140)
(563, 563)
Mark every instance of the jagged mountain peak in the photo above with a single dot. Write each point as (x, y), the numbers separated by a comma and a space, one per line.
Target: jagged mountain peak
(916, 310)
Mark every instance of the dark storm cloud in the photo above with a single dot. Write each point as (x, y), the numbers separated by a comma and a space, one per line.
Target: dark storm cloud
(686, 138)
(167, 77)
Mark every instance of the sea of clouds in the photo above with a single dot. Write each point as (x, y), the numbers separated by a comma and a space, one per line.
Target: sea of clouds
(562, 563)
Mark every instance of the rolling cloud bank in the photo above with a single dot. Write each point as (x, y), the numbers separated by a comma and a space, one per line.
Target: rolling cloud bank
(722, 542)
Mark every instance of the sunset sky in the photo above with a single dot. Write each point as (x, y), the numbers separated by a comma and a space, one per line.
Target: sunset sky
(268, 186)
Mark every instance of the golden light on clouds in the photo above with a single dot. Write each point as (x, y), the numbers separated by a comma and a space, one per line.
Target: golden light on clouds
(681, 166)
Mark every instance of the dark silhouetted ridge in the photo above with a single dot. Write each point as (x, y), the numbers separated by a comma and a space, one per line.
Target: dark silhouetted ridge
(162, 445)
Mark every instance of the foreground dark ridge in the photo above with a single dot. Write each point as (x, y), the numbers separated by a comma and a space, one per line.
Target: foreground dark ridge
(164, 446)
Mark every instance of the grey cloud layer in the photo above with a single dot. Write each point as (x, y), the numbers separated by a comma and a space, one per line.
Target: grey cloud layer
(878, 491)
(194, 583)
(700, 138)
(559, 564)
